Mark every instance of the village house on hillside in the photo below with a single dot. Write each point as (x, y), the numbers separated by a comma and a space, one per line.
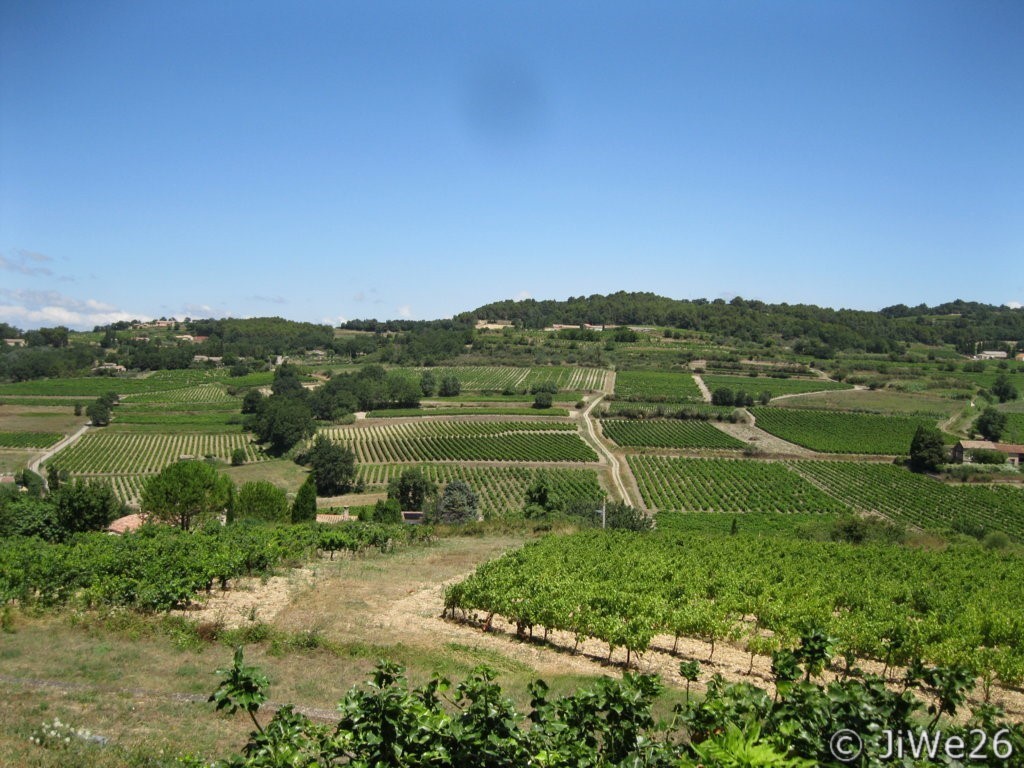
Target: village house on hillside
(109, 367)
(964, 450)
(14, 342)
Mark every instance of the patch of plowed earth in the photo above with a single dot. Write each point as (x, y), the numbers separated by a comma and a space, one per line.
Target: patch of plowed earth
(767, 442)
(248, 600)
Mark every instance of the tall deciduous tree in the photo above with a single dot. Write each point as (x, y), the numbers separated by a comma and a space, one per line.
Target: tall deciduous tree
(186, 493)
(411, 489)
(86, 506)
(428, 383)
(282, 422)
(927, 452)
(991, 424)
(450, 387)
(334, 467)
(98, 413)
(1003, 389)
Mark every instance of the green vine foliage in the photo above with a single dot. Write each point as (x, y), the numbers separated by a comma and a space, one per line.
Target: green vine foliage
(387, 724)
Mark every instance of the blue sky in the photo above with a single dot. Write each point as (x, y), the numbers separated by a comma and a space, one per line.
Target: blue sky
(326, 160)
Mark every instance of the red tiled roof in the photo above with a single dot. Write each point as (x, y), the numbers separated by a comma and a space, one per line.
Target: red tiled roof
(126, 524)
(988, 445)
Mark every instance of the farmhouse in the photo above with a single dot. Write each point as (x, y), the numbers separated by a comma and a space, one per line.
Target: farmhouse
(963, 451)
(14, 342)
(991, 354)
(110, 367)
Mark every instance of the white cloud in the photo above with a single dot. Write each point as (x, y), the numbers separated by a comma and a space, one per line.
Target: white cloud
(339, 320)
(405, 311)
(522, 296)
(45, 308)
(23, 262)
(1015, 305)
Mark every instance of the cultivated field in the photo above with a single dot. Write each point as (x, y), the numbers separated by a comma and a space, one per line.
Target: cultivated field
(464, 440)
(656, 386)
(668, 433)
(120, 453)
(727, 485)
(777, 386)
(838, 432)
(501, 490)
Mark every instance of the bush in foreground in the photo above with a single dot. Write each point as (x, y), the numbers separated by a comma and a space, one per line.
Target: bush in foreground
(610, 723)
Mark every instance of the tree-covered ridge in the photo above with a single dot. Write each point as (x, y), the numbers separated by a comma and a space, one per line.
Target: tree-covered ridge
(960, 323)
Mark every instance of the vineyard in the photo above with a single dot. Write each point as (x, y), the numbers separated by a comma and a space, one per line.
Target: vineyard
(392, 413)
(498, 378)
(832, 432)
(161, 567)
(656, 386)
(162, 420)
(464, 440)
(29, 439)
(202, 393)
(501, 490)
(158, 381)
(673, 433)
(125, 453)
(726, 485)
(918, 500)
(616, 407)
(1014, 429)
(880, 602)
(754, 385)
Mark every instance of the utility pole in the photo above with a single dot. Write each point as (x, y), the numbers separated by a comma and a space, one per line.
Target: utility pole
(603, 505)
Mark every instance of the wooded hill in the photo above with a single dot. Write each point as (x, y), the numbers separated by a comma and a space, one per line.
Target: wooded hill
(960, 323)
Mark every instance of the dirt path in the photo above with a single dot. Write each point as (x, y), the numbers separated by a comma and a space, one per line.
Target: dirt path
(765, 441)
(66, 442)
(950, 425)
(704, 391)
(590, 431)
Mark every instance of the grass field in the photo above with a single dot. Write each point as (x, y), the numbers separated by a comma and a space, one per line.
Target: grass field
(104, 661)
(883, 401)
